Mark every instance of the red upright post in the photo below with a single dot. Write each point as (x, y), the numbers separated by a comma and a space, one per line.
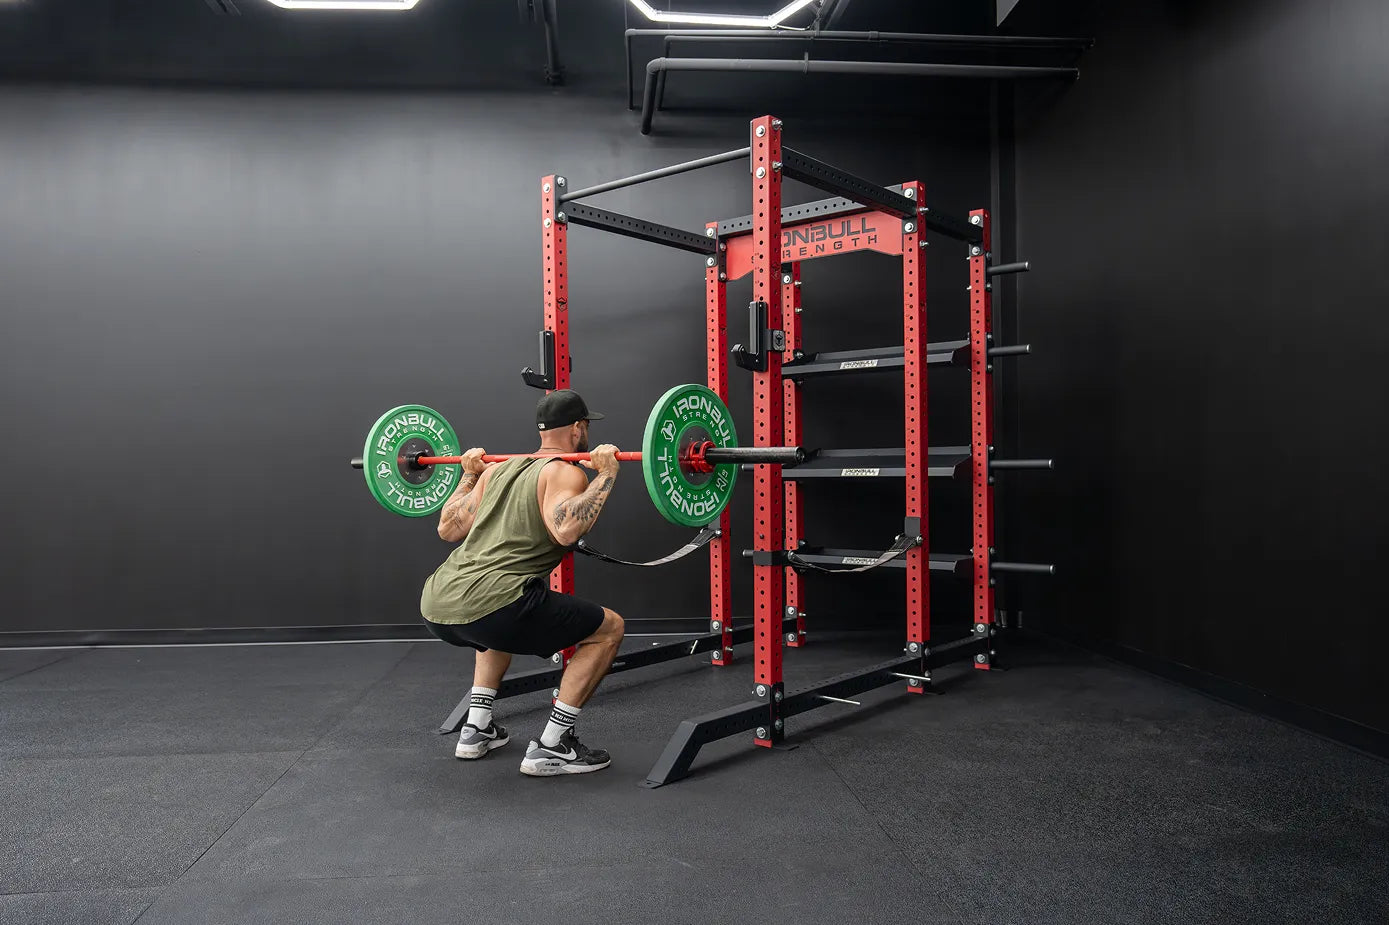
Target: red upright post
(791, 309)
(982, 429)
(716, 320)
(557, 322)
(769, 583)
(914, 428)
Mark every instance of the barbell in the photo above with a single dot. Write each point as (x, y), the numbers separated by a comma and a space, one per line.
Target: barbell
(689, 457)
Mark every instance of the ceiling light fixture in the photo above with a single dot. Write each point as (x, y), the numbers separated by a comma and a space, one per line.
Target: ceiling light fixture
(393, 5)
(770, 21)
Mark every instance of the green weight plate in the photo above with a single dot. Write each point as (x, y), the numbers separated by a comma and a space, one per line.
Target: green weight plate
(687, 414)
(397, 486)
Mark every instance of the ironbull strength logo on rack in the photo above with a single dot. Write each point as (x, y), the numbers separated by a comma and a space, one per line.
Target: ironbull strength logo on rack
(828, 237)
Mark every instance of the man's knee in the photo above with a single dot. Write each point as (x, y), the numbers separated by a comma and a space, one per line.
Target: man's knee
(609, 632)
(613, 627)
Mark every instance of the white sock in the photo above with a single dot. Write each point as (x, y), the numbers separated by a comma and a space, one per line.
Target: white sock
(480, 707)
(562, 719)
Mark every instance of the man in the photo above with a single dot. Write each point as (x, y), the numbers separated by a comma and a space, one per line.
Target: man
(515, 521)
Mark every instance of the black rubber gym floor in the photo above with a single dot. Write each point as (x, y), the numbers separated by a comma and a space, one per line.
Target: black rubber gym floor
(305, 784)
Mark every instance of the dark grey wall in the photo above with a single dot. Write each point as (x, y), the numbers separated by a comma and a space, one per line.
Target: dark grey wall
(1205, 212)
(249, 277)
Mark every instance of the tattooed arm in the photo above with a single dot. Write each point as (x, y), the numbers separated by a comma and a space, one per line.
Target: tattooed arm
(567, 506)
(456, 518)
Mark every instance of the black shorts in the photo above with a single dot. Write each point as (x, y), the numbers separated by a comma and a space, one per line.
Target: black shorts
(540, 622)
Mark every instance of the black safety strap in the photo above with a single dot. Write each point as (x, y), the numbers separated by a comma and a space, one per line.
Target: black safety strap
(701, 539)
(897, 550)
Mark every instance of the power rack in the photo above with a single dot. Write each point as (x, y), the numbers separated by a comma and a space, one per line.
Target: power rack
(769, 245)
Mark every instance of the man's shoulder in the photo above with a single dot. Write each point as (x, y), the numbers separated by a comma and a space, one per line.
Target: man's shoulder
(563, 475)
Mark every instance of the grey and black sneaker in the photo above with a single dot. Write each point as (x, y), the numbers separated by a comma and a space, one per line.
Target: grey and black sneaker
(570, 756)
(474, 742)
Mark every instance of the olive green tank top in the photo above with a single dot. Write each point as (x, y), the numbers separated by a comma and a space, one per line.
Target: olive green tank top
(507, 546)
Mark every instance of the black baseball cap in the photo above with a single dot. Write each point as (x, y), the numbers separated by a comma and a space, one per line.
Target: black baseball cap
(562, 408)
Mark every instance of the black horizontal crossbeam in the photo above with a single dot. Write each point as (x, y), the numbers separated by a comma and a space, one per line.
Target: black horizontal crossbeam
(577, 213)
(831, 179)
(821, 208)
(848, 684)
(952, 228)
(839, 205)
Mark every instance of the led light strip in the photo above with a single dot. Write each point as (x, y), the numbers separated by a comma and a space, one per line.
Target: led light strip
(393, 5)
(722, 19)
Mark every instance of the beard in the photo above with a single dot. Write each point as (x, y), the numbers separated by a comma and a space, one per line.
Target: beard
(583, 445)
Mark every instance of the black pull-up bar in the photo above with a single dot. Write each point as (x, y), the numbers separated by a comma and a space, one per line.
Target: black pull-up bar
(1022, 266)
(658, 174)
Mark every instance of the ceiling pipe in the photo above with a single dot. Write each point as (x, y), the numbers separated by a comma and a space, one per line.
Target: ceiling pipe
(554, 70)
(657, 66)
(807, 38)
(896, 38)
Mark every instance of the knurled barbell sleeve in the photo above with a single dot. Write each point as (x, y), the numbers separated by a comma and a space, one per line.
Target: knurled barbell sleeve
(775, 455)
